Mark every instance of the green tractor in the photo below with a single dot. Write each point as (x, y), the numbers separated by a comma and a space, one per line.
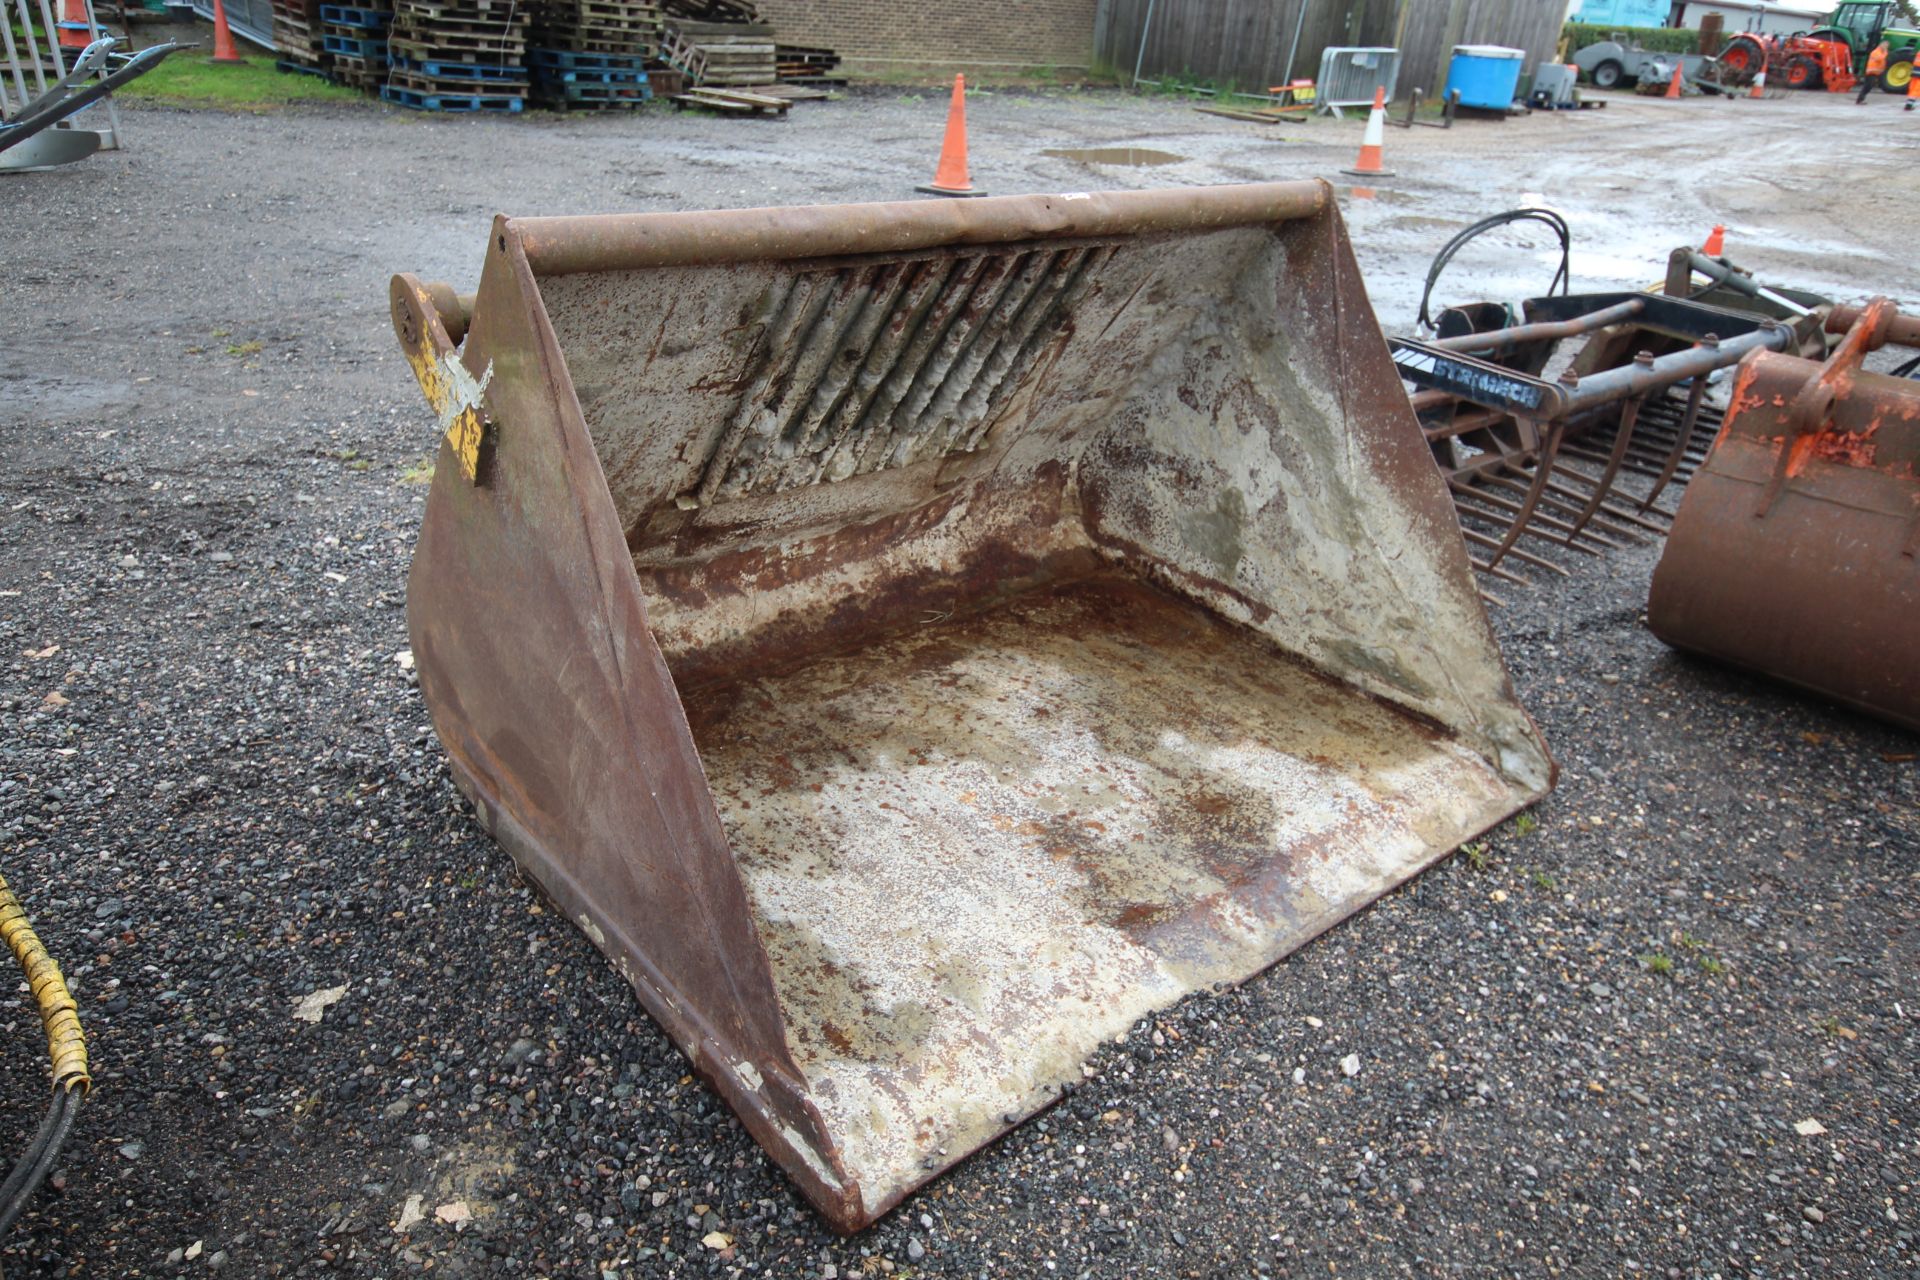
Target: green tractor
(1863, 25)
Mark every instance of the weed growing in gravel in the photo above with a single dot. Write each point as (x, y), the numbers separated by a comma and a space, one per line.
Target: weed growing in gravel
(1711, 967)
(1688, 942)
(420, 472)
(1541, 880)
(251, 347)
(1525, 825)
(1658, 962)
(1477, 855)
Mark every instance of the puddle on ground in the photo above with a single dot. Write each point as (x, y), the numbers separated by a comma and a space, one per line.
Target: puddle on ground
(1131, 157)
(1386, 195)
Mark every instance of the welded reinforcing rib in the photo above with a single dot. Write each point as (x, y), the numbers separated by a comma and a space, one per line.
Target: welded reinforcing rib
(866, 368)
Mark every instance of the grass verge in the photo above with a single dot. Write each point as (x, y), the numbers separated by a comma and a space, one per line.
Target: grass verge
(189, 77)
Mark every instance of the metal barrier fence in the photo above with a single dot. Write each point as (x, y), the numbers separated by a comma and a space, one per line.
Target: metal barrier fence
(1349, 76)
(35, 61)
(251, 20)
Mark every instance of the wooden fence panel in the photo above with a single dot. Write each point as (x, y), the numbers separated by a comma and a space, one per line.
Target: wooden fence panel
(1244, 43)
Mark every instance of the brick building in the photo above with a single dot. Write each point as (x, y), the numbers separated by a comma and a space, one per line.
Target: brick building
(878, 37)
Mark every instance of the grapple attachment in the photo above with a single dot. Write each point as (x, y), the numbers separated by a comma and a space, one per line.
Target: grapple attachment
(916, 640)
(1794, 550)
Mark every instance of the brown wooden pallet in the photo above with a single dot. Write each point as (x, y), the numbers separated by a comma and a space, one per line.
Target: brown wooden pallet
(731, 100)
(456, 45)
(439, 12)
(705, 32)
(792, 92)
(437, 87)
(711, 10)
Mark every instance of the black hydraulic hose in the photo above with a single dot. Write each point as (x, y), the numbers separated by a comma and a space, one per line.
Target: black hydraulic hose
(66, 1047)
(1562, 279)
(34, 1165)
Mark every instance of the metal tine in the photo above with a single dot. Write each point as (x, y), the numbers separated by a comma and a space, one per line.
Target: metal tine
(1509, 506)
(1619, 513)
(777, 336)
(1485, 595)
(1495, 571)
(1564, 503)
(851, 348)
(840, 459)
(1580, 454)
(1524, 557)
(1682, 437)
(1623, 436)
(1549, 448)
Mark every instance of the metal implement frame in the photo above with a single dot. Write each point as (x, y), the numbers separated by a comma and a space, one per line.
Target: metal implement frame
(30, 58)
(1561, 505)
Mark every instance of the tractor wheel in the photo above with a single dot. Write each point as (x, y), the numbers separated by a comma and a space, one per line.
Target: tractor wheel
(1803, 73)
(1741, 60)
(1899, 71)
(1608, 75)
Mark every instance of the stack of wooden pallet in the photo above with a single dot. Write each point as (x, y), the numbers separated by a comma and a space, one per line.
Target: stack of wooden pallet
(356, 41)
(592, 54)
(802, 64)
(720, 54)
(623, 28)
(296, 36)
(458, 55)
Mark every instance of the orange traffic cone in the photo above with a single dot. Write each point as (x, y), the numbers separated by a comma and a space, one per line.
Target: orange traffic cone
(950, 178)
(76, 25)
(223, 50)
(1759, 89)
(1369, 166)
(1674, 89)
(1913, 92)
(1716, 241)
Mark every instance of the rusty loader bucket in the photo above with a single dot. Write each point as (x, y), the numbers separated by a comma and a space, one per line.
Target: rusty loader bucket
(1796, 551)
(914, 641)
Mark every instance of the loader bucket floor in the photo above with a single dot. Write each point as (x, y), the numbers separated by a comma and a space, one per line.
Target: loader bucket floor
(980, 847)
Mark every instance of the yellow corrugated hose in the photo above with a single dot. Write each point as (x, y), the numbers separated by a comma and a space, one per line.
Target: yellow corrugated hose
(66, 1042)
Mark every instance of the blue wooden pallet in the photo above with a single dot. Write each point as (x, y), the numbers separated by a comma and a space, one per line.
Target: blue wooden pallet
(449, 101)
(354, 47)
(300, 68)
(632, 79)
(346, 16)
(568, 60)
(481, 71)
(573, 92)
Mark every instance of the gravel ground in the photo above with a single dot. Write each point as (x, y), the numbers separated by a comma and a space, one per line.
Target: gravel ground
(1590, 1048)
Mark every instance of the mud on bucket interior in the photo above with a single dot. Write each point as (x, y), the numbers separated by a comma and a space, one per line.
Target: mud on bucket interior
(916, 640)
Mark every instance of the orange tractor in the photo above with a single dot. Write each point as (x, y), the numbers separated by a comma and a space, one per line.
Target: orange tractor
(1832, 56)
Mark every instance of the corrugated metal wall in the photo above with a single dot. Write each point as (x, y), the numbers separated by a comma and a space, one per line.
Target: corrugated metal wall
(1245, 42)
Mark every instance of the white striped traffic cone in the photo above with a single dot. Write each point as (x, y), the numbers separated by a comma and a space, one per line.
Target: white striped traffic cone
(1369, 166)
(1759, 89)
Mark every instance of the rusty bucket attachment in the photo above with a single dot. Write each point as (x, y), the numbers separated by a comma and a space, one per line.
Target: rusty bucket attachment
(1538, 464)
(914, 641)
(1796, 551)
